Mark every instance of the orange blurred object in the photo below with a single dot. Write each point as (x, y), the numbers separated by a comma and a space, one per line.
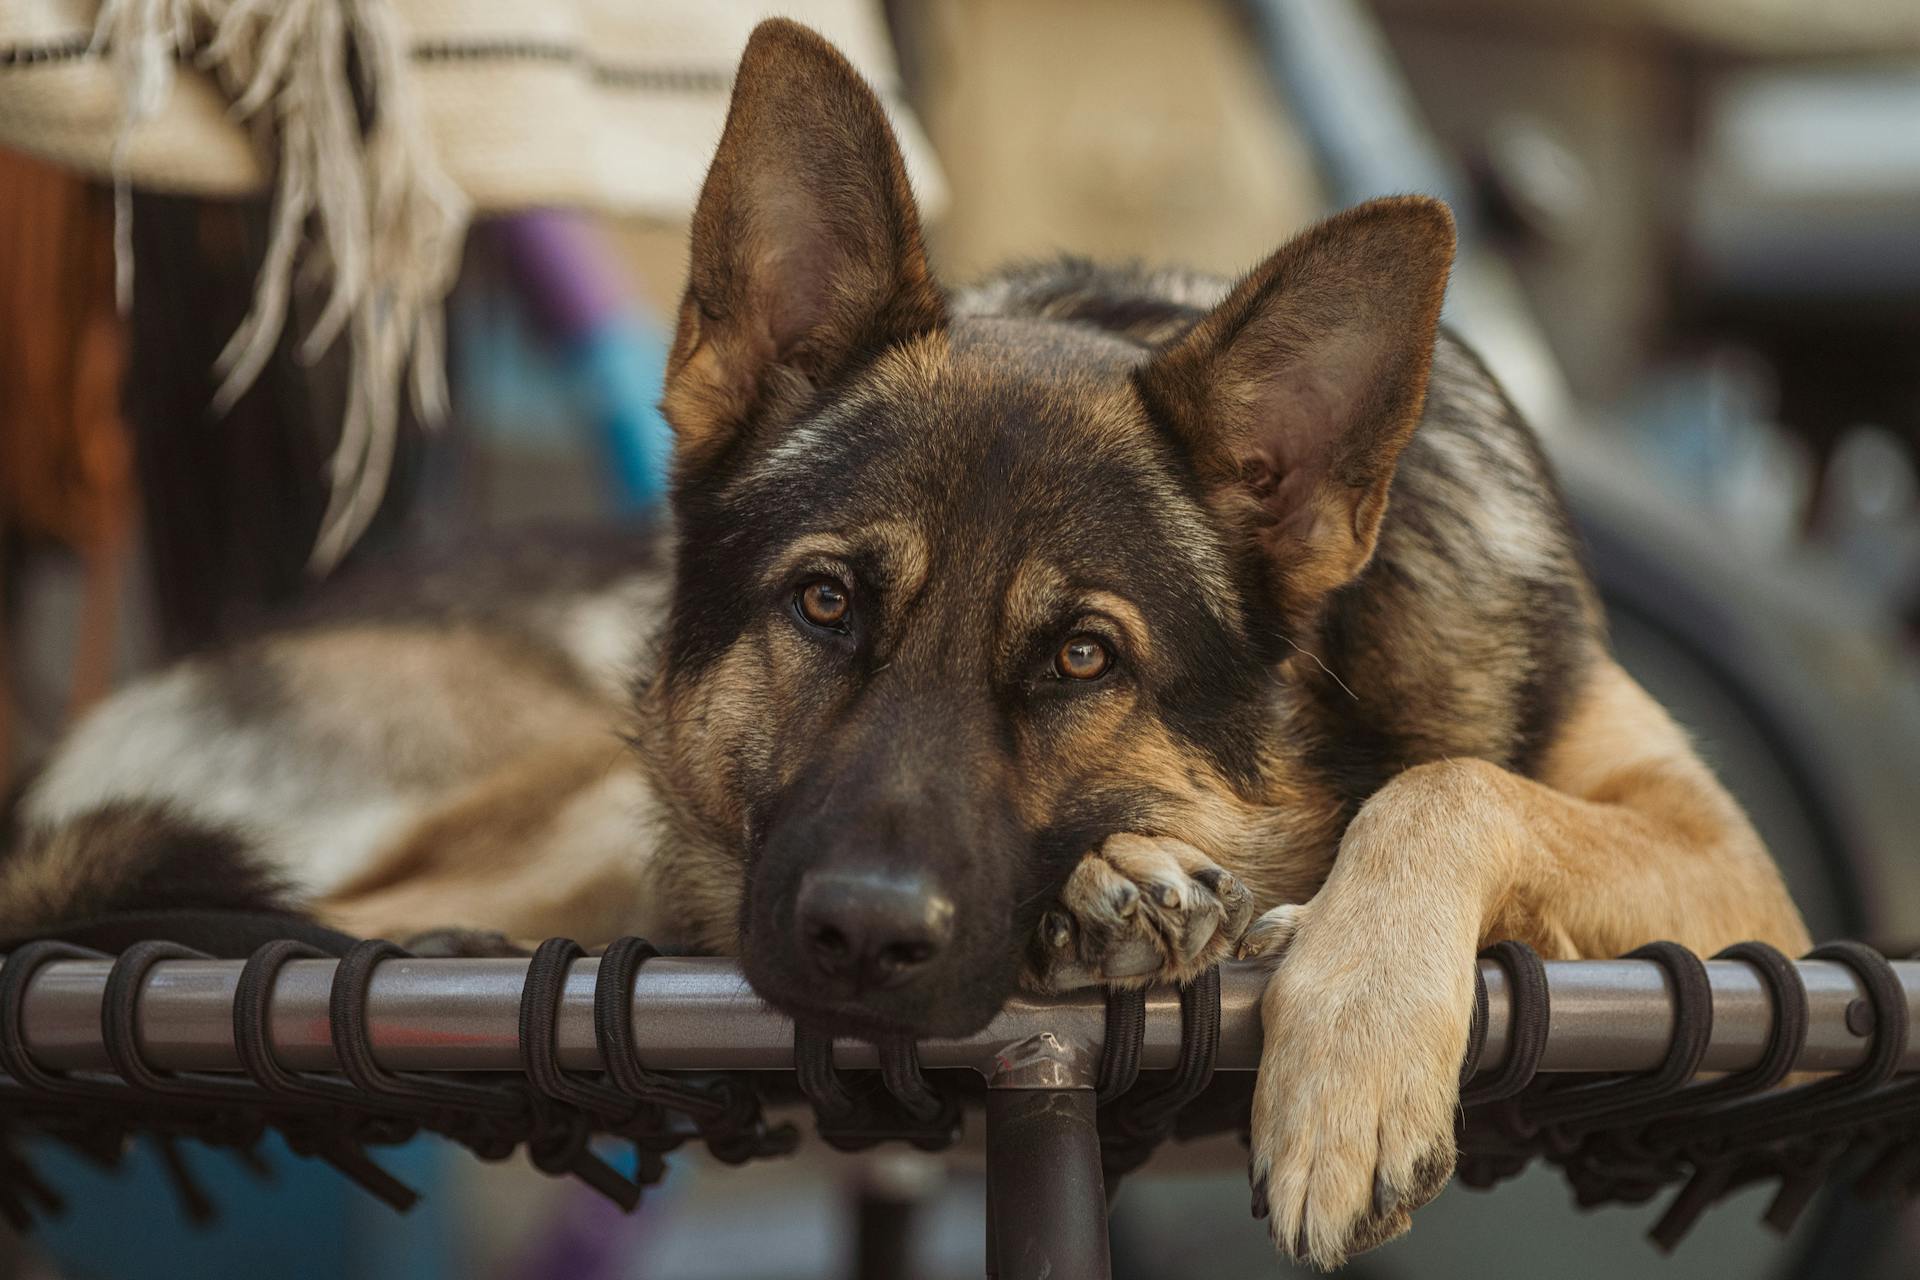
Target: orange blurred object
(66, 464)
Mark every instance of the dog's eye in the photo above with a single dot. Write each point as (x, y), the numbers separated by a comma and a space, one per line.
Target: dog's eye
(1082, 658)
(824, 602)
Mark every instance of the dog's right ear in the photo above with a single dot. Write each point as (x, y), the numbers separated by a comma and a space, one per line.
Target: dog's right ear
(1296, 395)
(806, 244)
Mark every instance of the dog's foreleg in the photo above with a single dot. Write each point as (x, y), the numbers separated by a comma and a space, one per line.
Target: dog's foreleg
(1627, 838)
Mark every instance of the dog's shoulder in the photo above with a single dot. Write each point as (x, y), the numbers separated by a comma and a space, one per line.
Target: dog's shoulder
(1476, 626)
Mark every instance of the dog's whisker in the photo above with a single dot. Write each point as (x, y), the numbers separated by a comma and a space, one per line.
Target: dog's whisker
(1324, 667)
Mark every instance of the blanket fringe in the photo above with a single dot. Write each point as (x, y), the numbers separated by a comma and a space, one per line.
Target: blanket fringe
(369, 210)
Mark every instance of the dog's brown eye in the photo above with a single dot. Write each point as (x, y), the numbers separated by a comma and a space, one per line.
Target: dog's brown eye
(823, 602)
(1082, 658)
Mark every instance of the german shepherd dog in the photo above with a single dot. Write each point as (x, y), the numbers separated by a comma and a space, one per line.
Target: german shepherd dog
(1085, 626)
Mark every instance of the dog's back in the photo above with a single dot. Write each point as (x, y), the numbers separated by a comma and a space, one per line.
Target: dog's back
(1469, 631)
(282, 768)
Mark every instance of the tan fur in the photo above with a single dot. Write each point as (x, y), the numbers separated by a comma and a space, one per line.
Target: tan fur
(1627, 838)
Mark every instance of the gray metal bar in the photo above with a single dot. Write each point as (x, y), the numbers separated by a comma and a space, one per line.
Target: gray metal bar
(1330, 61)
(1044, 1183)
(698, 1014)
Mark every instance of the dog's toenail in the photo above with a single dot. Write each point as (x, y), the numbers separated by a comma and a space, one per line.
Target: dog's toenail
(1166, 895)
(1125, 898)
(1260, 1206)
(1058, 931)
(1383, 1197)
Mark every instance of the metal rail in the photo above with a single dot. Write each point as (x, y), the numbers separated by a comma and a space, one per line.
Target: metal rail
(1040, 1057)
(698, 1014)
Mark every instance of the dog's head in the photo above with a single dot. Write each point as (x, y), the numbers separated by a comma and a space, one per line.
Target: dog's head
(958, 597)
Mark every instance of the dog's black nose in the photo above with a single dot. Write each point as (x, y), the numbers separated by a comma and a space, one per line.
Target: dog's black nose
(872, 929)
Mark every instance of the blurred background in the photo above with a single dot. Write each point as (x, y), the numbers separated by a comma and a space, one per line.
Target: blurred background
(1691, 250)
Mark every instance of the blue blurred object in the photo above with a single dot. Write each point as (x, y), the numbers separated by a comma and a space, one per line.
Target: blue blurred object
(610, 356)
(304, 1222)
(620, 366)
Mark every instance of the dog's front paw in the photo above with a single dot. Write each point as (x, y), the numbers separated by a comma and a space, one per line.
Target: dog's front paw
(1141, 909)
(1353, 1115)
(454, 943)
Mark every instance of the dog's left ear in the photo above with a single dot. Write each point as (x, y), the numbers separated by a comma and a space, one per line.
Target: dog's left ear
(806, 244)
(1296, 395)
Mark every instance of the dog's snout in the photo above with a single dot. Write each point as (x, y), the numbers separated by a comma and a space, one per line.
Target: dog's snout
(871, 930)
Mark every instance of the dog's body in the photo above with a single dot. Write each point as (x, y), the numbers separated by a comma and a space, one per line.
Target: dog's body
(1051, 630)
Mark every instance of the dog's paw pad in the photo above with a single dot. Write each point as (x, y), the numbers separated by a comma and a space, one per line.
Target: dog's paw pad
(1141, 908)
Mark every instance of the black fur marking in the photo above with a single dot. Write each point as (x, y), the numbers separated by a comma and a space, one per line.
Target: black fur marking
(131, 857)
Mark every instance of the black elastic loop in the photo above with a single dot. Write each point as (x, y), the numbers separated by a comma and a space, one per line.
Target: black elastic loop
(1888, 1000)
(339, 1114)
(1751, 1132)
(353, 1045)
(1476, 1028)
(727, 1112)
(252, 1031)
(120, 1035)
(819, 1080)
(900, 1070)
(1583, 1107)
(1140, 1121)
(555, 1134)
(1784, 1113)
(1528, 1009)
(1857, 1095)
(102, 1136)
(1787, 995)
(561, 1146)
(1120, 1050)
(1786, 1039)
(22, 964)
(1199, 1041)
(853, 1115)
(230, 1125)
(613, 1030)
(540, 1000)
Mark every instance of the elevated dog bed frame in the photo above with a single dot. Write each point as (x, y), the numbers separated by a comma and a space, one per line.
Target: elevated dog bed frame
(342, 1045)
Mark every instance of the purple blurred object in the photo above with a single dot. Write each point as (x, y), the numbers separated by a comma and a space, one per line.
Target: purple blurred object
(570, 277)
(588, 1238)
